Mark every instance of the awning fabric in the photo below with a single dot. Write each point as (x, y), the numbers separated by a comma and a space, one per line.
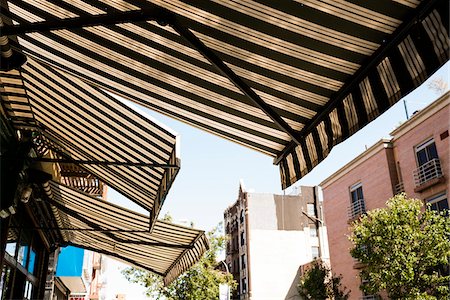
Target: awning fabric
(103, 227)
(84, 124)
(324, 67)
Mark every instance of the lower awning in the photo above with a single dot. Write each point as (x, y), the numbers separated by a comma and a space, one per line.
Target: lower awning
(94, 224)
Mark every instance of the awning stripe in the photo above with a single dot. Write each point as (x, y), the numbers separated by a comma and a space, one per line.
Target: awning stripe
(180, 247)
(406, 67)
(88, 124)
(326, 67)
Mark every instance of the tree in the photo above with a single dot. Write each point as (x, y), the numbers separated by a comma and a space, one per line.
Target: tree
(438, 85)
(318, 283)
(405, 250)
(200, 282)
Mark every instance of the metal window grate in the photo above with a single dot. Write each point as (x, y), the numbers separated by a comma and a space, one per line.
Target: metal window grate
(356, 209)
(428, 171)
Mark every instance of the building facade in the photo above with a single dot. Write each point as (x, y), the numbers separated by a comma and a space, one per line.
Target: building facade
(270, 238)
(75, 274)
(414, 160)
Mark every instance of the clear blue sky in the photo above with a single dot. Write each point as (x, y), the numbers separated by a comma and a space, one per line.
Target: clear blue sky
(211, 167)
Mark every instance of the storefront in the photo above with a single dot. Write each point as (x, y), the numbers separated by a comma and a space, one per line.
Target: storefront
(65, 141)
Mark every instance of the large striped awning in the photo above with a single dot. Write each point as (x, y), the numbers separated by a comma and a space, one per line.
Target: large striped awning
(288, 78)
(94, 224)
(91, 135)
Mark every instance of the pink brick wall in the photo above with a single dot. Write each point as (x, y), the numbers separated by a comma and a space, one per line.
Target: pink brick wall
(404, 149)
(373, 173)
(376, 184)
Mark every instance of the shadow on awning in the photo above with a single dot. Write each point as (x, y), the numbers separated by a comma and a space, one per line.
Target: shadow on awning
(91, 136)
(94, 224)
(288, 78)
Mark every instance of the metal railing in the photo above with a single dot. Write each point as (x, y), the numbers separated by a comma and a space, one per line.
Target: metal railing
(427, 171)
(399, 188)
(356, 209)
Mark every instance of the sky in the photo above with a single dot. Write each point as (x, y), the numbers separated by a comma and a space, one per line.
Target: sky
(212, 167)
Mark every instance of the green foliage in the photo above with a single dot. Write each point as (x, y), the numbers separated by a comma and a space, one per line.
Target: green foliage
(403, 247)
(200, 282)
(318, 283)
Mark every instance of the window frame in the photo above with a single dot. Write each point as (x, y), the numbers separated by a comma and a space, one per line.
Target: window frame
(309, 207)
(313, 228)
(353, 190)
(436, 199)
(312, 252)
(424, 145)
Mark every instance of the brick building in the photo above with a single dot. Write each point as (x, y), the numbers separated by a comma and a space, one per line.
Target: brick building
(270, 238)
(414, 160)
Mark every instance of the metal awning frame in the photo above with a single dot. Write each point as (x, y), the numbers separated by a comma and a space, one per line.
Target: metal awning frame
(165, 17)
(98, 228)
(104, 163)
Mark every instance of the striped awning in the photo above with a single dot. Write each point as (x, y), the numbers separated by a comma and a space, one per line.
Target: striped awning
(288, 78)
(94, 224)
(92, 135)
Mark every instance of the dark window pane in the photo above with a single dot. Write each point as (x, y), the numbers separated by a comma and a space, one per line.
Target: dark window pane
(432, 152)
(422, 157)
(360, 193)
(434, 206)
(354, 196)
(442, 205)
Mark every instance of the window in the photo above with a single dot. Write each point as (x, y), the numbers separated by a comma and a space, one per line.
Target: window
(312, 230)
(315, 252)
(429, 166)
(21, 268)
(242, 216)
(311, 209)
(357, 205)
(426, 152)
(27, 290)
(6, 277)
(243, 261)
(244, 285)
(242, 239)
(439, 202)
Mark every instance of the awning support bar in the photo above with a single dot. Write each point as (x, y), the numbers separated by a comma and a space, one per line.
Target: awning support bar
(104, 163)
(163, 17)
(85, 220)
(146, 243)
(80, 229)
(234, 78)
(154, 13)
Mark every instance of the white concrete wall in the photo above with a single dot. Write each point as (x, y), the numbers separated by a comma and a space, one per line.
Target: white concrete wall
(275, 259)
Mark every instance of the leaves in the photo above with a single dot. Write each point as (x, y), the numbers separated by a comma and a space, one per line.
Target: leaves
(200, 282)
(403, 248)
(318, 283)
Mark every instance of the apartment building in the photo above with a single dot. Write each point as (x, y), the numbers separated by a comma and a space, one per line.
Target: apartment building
(270, 238)
(415, 160)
